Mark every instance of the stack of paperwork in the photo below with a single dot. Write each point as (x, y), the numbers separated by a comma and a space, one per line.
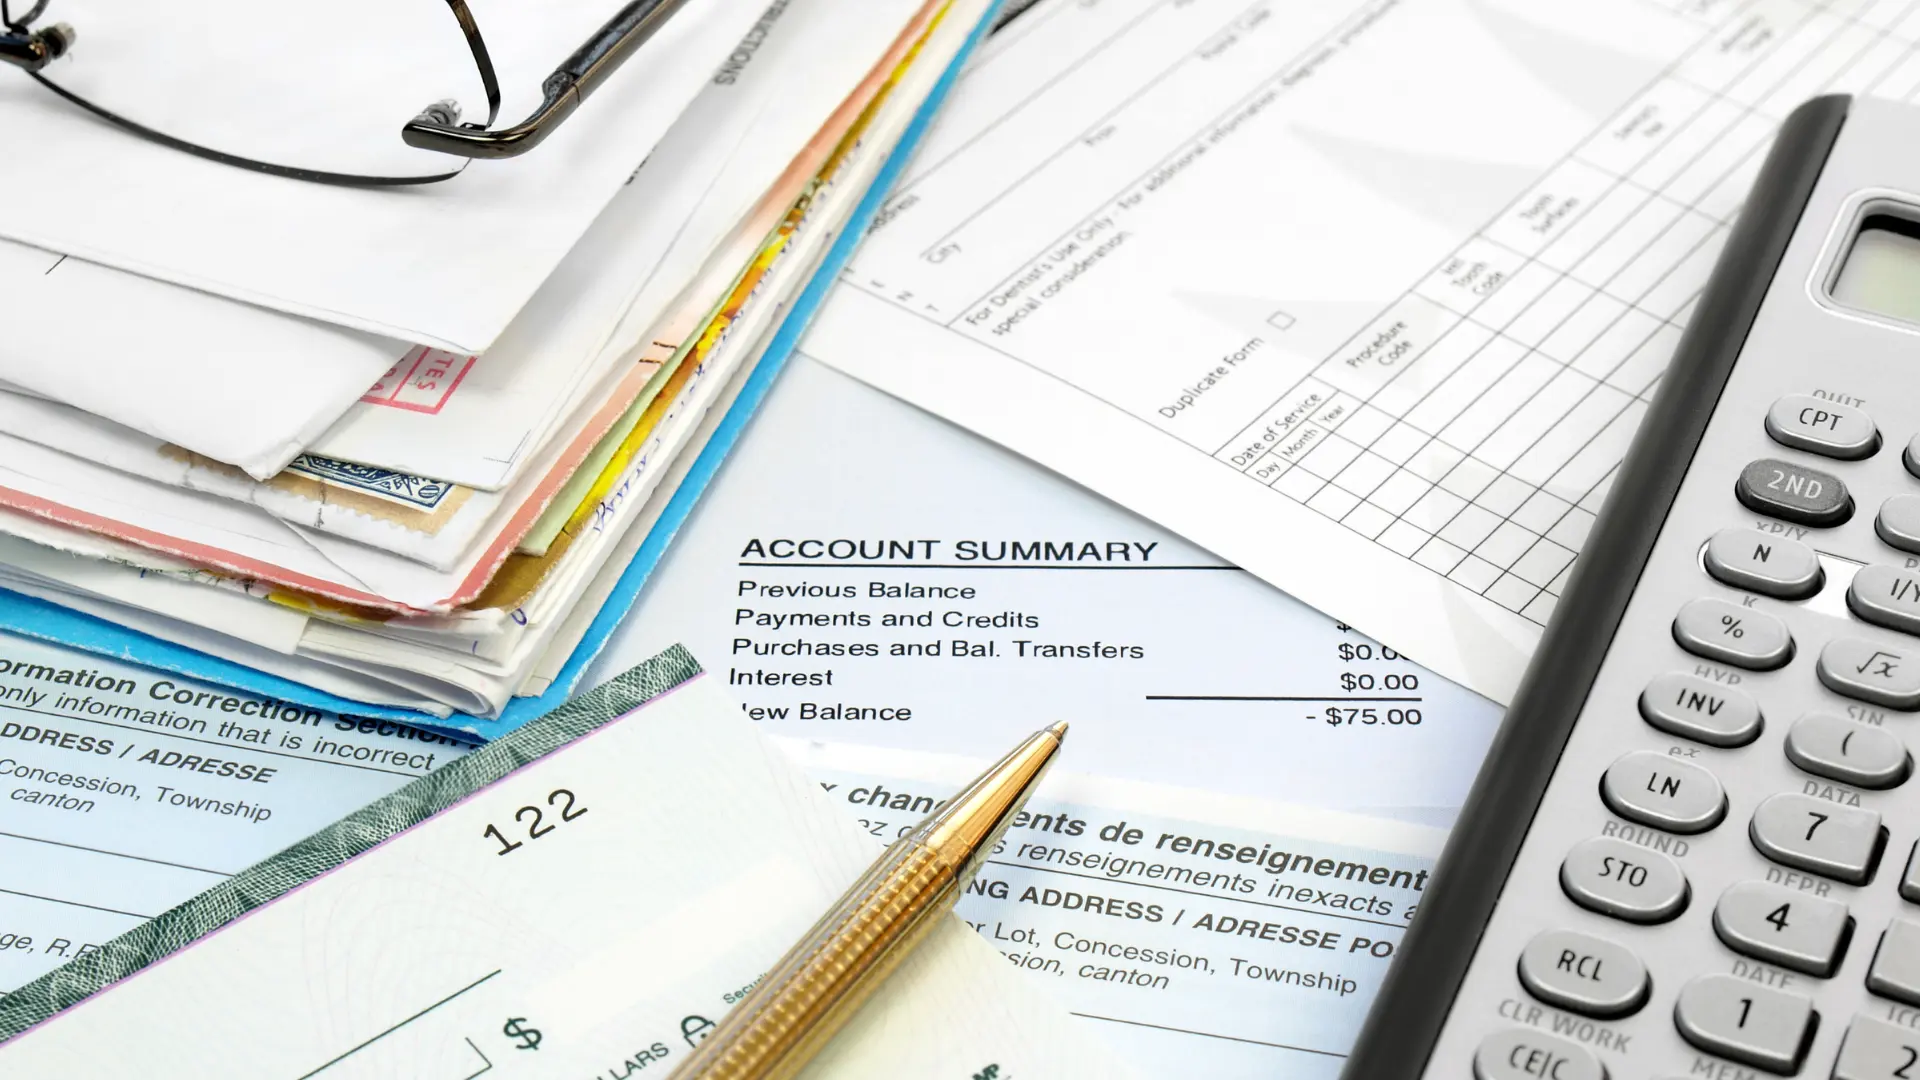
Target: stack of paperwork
(410, 453)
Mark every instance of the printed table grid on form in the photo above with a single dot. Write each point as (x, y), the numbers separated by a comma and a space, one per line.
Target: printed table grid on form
(1474, 425)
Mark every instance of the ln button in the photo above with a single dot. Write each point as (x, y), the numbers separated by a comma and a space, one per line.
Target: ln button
(1653, 789)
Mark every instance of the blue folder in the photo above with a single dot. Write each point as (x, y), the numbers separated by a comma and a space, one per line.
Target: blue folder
(35, 618)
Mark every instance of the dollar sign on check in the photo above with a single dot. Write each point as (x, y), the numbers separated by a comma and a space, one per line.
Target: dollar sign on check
(526, 1038)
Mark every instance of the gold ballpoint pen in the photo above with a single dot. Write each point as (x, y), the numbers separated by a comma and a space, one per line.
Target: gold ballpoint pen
(822, 981)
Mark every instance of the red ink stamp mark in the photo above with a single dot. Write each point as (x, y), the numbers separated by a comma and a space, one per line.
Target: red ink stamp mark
(423, 381)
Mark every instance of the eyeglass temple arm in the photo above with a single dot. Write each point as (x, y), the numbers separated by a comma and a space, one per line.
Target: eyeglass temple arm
(562, 93)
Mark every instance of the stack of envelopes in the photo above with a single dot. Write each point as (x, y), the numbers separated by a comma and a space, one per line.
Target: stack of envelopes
(394, 453)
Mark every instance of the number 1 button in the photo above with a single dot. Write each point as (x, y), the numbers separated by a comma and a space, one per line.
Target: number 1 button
(1754, 1025)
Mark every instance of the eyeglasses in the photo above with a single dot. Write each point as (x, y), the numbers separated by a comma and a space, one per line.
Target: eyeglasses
(311, 92)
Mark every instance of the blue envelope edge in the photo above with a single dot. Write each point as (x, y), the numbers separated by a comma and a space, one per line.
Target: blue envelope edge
(34, 618)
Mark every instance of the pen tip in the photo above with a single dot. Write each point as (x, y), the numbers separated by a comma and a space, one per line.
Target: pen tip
(1059, 730)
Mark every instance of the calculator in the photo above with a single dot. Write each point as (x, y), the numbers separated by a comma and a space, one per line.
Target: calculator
(1691, 849)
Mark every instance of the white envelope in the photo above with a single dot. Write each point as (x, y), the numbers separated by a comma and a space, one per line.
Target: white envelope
(447, 265)
(235, 382)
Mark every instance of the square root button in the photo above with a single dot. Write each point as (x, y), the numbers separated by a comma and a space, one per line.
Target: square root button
(1872, 672)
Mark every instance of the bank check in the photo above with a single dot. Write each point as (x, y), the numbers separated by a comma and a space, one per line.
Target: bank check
(542, 907)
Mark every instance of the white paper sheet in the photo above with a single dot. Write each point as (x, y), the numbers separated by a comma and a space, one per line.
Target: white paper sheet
(448, 265)
(80, 866)
(1231, 689)
(1133, 903)
(1365, 296)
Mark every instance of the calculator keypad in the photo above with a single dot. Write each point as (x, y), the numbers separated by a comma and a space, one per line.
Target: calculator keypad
(1898, 522)
(1614, 877)
(1664, 792)
(1872, 671)
(1877, 1050)
(1783, 926)
(1838, 749)
(1526, 1054)
(1701, 709)
(1764, 563)
(1754, 1025)
(1819, 836)
(1896, 964)
(1805, 422)
(1725, 631)
(1794, 492)
(1585, 974)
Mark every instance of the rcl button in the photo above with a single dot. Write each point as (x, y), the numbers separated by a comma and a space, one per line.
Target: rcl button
(1525, 1054)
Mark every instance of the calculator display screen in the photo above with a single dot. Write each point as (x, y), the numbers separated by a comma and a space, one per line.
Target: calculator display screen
(1882, 272)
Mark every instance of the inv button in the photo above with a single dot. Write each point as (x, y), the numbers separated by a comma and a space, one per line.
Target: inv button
(1526, 1054)
(1793, 493)
(1822, 427)
(1700, 709)
(1584, 974)
(1886, 596)
(1763, 563)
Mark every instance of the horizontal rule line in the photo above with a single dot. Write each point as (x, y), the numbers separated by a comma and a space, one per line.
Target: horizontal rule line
(1267, 697)
(967, 566)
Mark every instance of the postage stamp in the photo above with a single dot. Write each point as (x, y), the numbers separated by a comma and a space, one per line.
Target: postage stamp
(423, 381)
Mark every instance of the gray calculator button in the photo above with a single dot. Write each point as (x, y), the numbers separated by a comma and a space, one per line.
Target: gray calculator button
(1783, 926)
(1584, 974)
(1886, 596)
(1526, 1054)
(1899, 522)
(1822, 427)
(1764, 563)
(1910, 881)
(1793, 493)
(1700, 709)
(1651, 788)
(1896, 966)
(1877, 1050)
(1872, 672)
(1725, 631)
(1912, 457)
(1821, 837)
(1610, 876)
(1840, 749)
(1754, 1025)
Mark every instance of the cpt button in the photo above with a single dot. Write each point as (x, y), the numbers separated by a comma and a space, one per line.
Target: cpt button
(1793, 493)
(1525, 1054)
(1584, 974)
(1822, 427)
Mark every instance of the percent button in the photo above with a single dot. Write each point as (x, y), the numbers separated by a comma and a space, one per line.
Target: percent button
(1731, 634)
